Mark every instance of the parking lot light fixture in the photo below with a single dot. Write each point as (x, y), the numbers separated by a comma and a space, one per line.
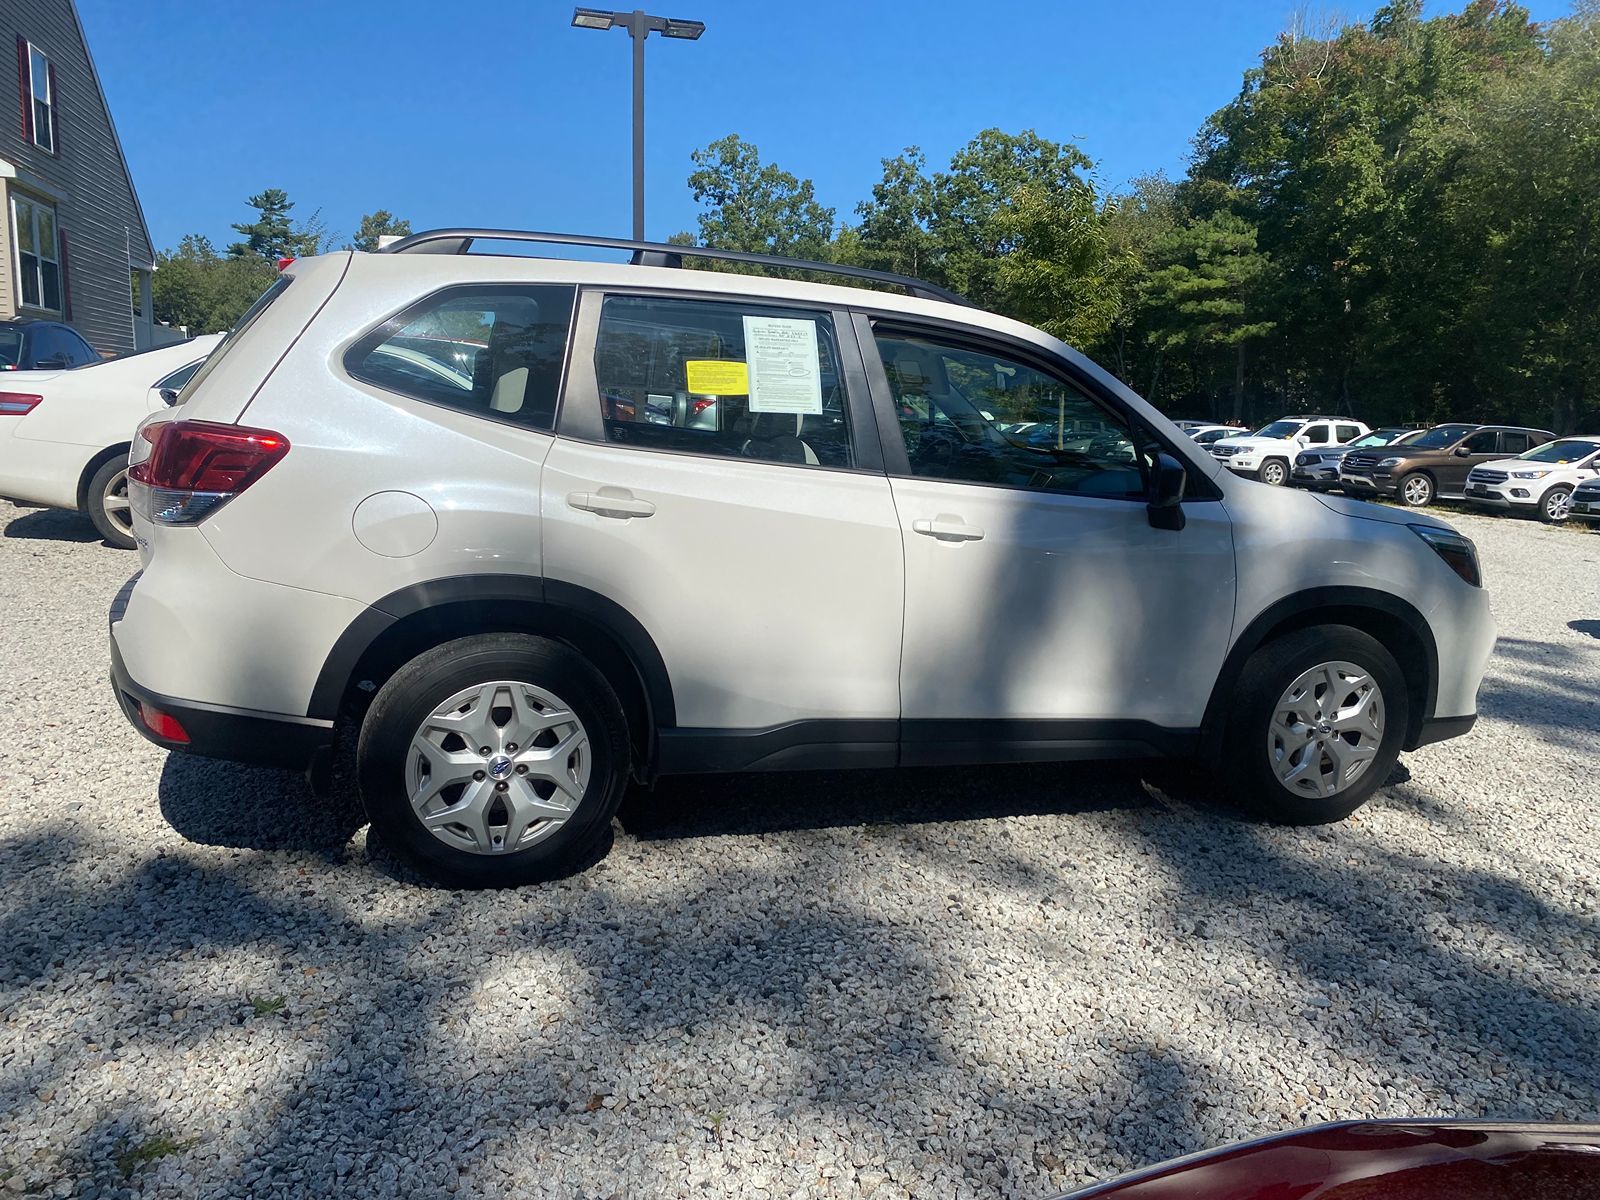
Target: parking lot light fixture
(640, 25)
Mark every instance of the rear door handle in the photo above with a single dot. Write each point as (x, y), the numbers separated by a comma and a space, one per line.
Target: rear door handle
(618, 507)
(948, 529)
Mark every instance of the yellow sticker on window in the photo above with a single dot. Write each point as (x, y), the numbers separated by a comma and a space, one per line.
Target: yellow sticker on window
(717, 376)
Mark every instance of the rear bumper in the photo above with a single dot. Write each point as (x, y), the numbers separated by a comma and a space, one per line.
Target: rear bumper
(215, 730)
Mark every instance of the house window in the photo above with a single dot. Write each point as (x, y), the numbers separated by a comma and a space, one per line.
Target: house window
(38, 254)
(44, 99)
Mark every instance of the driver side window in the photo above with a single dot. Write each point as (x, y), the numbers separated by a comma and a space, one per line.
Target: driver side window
(972, 416)
(1483, 442)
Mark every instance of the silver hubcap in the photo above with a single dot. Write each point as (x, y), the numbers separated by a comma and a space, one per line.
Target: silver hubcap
(1326, 729)
(1272, 473)
(1417, 491)
(1557, 507)
(114, 500)
(497, 767)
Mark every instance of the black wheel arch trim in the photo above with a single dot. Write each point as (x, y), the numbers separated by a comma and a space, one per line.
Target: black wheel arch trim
(1324, 599)
(557, 595)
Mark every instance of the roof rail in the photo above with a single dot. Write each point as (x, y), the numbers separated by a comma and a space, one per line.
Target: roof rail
(658, 254)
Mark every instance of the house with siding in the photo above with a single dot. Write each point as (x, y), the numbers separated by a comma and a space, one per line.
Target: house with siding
(76, 247)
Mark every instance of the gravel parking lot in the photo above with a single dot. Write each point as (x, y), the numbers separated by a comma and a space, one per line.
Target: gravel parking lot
(941, 983)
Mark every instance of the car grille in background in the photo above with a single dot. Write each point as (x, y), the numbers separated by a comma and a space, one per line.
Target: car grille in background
(1308, 460)
(1224, 451)
(1359, 464)
(1479, 475)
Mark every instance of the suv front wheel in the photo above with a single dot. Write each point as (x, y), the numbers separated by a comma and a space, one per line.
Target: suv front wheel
(1274, 472)
(1316, 725)
(494, 760)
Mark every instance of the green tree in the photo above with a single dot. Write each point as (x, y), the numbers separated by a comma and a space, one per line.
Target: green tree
(375, 225)
(1204, 297)
(196, 288)
(756, 207)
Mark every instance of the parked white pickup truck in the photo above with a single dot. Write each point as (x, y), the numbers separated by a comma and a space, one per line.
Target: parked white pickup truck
(1267, 453)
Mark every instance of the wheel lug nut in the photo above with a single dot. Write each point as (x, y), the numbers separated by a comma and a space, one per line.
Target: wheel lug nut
(501, 786)
(479, 776)
(522, 768)
(484, 750)
(511, 747)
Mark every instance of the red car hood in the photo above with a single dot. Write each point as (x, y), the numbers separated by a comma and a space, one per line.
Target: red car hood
(1381, 1160)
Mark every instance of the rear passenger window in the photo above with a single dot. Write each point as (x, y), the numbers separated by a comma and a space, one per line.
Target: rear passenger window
(492, 350)
(1515, 443)
(733, 380)
(1347, 433)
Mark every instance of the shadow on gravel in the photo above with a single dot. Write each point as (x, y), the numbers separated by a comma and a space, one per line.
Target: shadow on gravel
(221, 804)
(1592, 628)
(49, 524)
(1547, 689)
(722, 805)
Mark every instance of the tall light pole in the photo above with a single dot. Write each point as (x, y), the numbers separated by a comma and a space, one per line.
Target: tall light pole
(639, 25)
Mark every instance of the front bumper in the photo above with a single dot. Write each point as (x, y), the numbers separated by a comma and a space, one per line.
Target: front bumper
(1315, 477)
(1585, 508)
(215, 730)
(1378, 483)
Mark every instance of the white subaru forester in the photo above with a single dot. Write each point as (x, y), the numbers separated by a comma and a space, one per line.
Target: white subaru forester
(530, 528)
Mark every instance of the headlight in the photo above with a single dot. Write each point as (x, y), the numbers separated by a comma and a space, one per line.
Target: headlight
(1390, 462)
(1458, 552)
(1530, 474)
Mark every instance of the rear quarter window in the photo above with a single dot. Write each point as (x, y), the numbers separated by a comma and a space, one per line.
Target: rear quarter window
(494, 350)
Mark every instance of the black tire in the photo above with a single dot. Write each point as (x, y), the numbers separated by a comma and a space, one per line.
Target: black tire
(94, 504)
(1416, 490)
(1246, 772)
(1561, 496)
(414, 691)
(1274, 472)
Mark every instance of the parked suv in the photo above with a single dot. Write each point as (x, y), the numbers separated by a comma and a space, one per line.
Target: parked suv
(1435, 464)
(1267, 453)
(1540, 481)
(1319, 469)
(521, 587)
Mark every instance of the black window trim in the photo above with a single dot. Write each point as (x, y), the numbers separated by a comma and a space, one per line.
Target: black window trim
(375, 335)
(579, 415)
(1199, 488)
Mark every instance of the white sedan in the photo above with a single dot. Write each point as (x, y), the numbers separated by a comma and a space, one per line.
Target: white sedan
(64, 434)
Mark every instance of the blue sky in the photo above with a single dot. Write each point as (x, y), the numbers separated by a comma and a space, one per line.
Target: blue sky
(498, 113)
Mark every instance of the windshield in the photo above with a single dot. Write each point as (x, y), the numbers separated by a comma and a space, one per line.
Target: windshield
(1279, 429)
(1378, 437)
(1441, 436)
(10, 347)
(1568, 450)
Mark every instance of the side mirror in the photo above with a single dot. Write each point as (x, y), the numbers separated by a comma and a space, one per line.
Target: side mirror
(169, 396)
(53, 364)
(1463, 452)
(1168, 480)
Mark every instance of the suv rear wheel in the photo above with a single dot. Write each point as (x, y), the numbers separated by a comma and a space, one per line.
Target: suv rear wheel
(1316, 726)
(1274, 472)
(494, 760)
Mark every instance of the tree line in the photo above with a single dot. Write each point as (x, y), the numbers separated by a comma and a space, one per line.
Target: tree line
(1394, 219)
(206, 291)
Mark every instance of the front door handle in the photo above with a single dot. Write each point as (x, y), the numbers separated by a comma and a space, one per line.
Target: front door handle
(605, 504)
(948, 529)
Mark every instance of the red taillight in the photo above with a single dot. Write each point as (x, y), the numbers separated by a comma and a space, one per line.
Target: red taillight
(164, 725)
(285, 263)
(696, 407)
(18, 404)
(195, 466)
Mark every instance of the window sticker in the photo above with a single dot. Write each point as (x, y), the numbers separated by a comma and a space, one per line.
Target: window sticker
(784, 374)
(716, 376)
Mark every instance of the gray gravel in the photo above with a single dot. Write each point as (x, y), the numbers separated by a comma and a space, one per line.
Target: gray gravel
(976, 983)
